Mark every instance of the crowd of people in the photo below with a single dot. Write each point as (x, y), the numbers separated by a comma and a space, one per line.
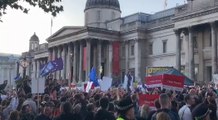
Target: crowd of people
(118, 103)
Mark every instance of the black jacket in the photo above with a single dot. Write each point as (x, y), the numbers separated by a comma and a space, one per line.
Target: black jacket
(104, 115)
(65, 117)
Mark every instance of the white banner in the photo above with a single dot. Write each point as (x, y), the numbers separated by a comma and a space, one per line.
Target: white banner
(215, 78)
(38, 85)
(106, 83)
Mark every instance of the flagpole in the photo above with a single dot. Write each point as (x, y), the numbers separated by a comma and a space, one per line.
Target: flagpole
(51, 26)
(38, 91)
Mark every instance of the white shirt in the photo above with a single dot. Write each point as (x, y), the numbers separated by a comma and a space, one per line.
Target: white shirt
(185, 113)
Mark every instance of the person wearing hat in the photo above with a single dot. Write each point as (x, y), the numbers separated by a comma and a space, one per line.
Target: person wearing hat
(201, 112)
(125, 109)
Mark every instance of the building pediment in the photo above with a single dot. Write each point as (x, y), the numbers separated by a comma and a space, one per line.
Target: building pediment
(64, 31)
(84, 33)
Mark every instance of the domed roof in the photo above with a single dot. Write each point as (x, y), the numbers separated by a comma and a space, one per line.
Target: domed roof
(34, 38)
(114, 4)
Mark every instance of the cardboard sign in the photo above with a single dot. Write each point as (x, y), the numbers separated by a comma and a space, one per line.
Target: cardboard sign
(105, 84)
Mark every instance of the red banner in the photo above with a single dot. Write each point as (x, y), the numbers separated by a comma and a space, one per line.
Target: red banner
(147, 99)
(116, 58)
(173, 80)
(166, 81)
(84, 59)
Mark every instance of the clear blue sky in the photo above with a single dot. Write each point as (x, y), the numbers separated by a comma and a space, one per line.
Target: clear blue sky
(17, 28)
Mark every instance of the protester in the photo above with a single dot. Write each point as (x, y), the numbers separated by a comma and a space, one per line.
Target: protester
(14, 115)
(201, 112)
(66, 112)
(29, 101)
(163, 116)
(165, 103)
(125, 109)
(47, 112)
(103, 113)
(26, 113)
(60, 103)
(185, 111)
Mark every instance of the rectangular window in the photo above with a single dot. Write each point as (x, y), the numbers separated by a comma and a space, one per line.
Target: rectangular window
(151, 48)
(164, 46)
(132, 50)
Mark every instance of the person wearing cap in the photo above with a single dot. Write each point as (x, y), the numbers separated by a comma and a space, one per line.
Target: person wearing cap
(165, 103)
(125, 109)
(185, 111)
(103, 113)
(47, 112)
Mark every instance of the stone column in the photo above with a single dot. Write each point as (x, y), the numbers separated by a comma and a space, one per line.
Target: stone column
(88, 59)
(110, 59)
(80, 61)
(34, 70)
(186, 50)
(178, 50)
(127, 57)
(214, 48)
(58, 56)
(53, 53)
(68, 62)
(53, 58)
(75, 55)
(37, 68)
(63, 56)
(137, 61)
(99, 58)
(49, 54)
(191, 54)
(94, 57)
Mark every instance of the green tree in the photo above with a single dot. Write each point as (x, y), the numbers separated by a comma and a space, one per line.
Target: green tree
(49, 6)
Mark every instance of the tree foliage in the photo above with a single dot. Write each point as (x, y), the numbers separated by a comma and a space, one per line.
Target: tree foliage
(49, 6)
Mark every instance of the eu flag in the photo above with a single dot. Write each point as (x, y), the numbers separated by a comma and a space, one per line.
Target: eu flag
(93, 77)
(18, 77)
(52, 66)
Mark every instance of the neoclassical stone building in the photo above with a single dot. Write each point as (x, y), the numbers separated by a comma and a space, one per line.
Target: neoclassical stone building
(8, 67)
(184, 37)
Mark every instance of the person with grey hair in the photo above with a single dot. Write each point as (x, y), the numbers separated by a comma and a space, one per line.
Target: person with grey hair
(165, 104)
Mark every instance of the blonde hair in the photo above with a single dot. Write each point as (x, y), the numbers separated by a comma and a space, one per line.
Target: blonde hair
(163, 116)
(145, 109)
